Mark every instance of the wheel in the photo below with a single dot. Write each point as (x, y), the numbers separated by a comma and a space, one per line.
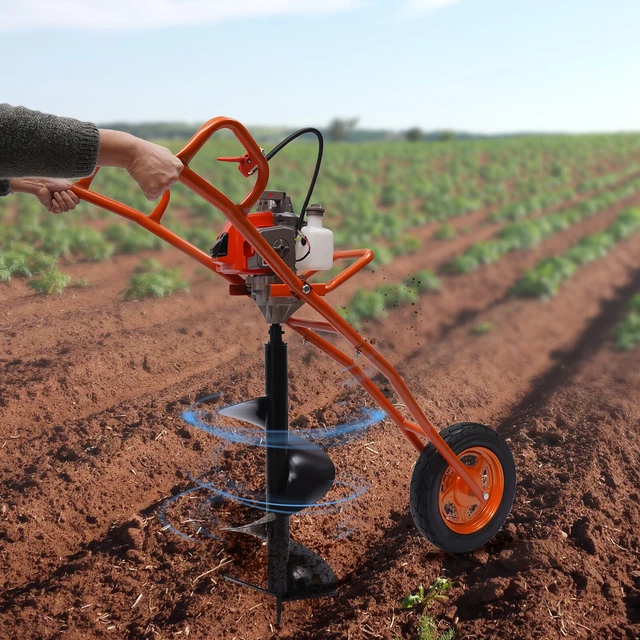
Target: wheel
(443, 508)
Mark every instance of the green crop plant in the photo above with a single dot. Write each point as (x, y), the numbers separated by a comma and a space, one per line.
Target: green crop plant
(427, 626)
(626, 223)
(445, 232)
(396, 295)
(590, 248)
(367, 305)
(428, 630)
(57, 242)
(405, 245)
(545, 278)
(151, 280)
(382, 255)
(424, 597)
(130, 238)
(423, 281)
(348, 314)
(49, 282)
(627, 332)
(90, 244)
(461, 264)
(24, 261)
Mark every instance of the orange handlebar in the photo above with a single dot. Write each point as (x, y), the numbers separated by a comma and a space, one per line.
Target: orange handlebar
(253, 160)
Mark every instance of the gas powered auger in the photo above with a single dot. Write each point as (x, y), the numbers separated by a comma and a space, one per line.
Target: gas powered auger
(463, 483)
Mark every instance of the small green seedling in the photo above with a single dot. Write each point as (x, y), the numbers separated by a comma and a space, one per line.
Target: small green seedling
(482, 328)
(428, 630)
(435, 593)
(427, 626)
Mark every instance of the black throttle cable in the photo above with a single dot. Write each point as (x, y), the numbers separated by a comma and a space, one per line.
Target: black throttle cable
(284, 143)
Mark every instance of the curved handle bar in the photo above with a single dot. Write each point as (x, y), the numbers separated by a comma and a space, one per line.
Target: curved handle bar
(85, 183)
(253, 160)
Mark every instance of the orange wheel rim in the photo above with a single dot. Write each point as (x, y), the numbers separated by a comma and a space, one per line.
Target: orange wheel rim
(461, 511)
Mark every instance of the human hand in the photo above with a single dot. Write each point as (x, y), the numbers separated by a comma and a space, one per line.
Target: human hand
(152, 166)
(54, 194)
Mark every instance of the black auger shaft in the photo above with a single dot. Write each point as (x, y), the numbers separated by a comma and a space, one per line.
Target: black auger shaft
(298, 474)
(277, 425)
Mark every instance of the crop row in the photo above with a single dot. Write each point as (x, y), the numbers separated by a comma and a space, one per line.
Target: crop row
(627, 332)
(152, 280)
(368, 221)
(371, 305)
(546, 277)
(528, 233)
(547, 200)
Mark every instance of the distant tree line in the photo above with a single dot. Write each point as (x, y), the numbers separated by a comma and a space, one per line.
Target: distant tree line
(338, 130)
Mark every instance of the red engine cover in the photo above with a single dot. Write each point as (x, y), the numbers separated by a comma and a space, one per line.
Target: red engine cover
(239, 250)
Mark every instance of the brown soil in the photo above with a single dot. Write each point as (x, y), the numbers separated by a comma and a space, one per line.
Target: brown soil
(92, 444)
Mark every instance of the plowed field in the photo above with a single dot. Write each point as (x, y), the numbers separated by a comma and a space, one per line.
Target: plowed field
(92, 443)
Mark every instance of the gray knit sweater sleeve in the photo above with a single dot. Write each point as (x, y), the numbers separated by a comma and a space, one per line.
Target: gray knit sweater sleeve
(34, 144)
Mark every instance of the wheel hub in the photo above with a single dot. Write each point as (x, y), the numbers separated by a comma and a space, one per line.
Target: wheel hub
(461, 511)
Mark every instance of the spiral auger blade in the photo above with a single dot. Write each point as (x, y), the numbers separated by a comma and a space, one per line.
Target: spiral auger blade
(298, 474)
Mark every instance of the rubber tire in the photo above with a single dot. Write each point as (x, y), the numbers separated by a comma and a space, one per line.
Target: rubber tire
(425, 484)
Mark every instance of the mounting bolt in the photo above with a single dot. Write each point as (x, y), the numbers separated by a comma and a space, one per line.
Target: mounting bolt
(306, 288)
(485, 496)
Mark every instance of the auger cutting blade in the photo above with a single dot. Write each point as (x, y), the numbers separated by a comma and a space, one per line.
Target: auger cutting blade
(257, 528)
(308, 574)
(310, 474)
(254, 411)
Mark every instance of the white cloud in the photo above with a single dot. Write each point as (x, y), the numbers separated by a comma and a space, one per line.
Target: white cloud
(145, 14)
(415, 7)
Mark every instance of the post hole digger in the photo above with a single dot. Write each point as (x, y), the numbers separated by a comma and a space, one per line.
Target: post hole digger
(463, 483)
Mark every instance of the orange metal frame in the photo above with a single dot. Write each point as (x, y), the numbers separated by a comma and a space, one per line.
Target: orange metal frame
(252, 162)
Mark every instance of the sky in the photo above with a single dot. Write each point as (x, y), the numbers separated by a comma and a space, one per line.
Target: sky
(485, 66)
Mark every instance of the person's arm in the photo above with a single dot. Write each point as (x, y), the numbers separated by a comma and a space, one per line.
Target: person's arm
(152, 166)
(38, 144)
